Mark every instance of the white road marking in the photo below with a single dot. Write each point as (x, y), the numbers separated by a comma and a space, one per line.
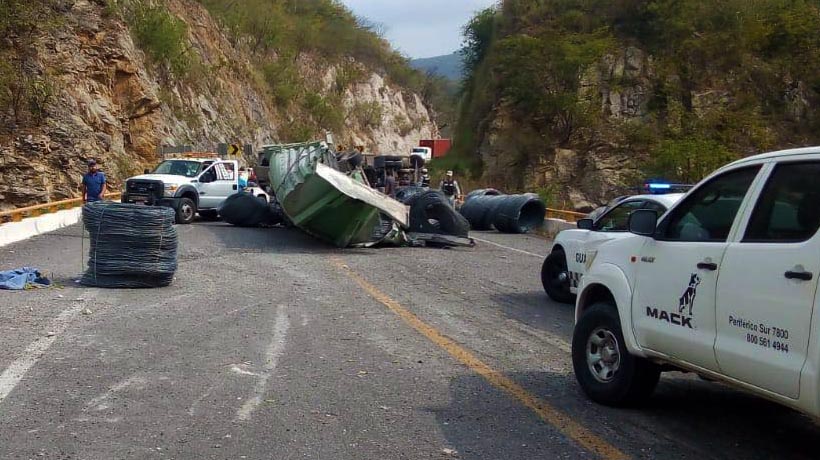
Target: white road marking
(195, 406)
(12, 375)
(509, 248)
(238, 370)
(272, 355)
(102, 402)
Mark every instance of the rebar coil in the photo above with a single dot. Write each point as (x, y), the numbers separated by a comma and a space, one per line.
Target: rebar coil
(507, 213)
(132, 246)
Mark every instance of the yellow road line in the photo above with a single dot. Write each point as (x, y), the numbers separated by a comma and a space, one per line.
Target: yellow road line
(563, 423)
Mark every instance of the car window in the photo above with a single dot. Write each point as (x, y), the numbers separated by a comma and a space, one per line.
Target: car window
(224, 171)
(617, 218)
(788, 209)
(654, 206)
(708, 213)
(178, 168)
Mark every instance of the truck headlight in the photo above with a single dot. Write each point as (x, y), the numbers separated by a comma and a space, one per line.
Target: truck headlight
(170, 189)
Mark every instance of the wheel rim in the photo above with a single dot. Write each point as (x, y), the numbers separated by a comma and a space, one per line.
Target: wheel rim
(559, 276)
(603, 355)
(187, 211)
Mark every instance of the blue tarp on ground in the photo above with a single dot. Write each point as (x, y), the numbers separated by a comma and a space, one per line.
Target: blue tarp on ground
(22, 278)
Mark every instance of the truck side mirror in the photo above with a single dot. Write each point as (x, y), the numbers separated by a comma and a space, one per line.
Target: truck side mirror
(643, 222)
(585, 224)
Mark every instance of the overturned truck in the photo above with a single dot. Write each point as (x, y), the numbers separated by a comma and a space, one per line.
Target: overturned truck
(317, 197)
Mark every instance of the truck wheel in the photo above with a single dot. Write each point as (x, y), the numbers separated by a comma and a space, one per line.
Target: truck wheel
(605, 370)
(208, 214)
(555, 277)
(186, 211)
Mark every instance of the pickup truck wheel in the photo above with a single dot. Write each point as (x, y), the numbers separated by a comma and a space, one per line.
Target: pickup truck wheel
(605, 370)
(555, 277)
(186, 211)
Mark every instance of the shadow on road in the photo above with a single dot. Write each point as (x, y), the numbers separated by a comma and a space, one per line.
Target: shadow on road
(276, 240)
(685, 418)
(535, 309)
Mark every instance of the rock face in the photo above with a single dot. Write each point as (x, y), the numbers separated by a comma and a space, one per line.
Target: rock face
(598, 163)
(403, 120)
(111, 106)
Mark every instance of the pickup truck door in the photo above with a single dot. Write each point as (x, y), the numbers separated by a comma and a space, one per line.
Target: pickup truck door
(768, 282)
(220, 181)
(673, 305)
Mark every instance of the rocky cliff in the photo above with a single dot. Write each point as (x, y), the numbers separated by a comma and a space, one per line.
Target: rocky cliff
(584, 100)
(594, 164)
(108, 101)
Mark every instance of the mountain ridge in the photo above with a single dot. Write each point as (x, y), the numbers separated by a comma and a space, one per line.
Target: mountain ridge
(450, 66)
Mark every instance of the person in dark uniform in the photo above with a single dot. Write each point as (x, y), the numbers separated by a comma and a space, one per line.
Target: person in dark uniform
(425, 178)
(93, 183)
(449, 186)
(390, 184)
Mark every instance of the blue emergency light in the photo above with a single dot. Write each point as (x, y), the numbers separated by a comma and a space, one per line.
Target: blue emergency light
(656, 186)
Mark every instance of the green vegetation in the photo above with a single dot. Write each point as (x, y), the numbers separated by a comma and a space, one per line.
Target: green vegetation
(281, 34)
(725, 79)
(25, 91)
(368, 114)
(161, 35)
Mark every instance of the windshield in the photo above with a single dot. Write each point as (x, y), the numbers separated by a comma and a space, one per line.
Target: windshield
(178, 168)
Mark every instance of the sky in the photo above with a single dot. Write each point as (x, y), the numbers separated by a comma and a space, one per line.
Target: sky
(420, 28)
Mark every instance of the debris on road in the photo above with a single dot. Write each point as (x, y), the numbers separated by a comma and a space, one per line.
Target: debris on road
(132, 246)
(22, 279)
(338, 207)
(246, 210)
(487, 208)
(430, 212)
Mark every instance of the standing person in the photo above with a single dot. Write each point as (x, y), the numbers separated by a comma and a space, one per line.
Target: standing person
(390, 184)
(449, 186)
(425, 178)
(93, 183)
(243, 179)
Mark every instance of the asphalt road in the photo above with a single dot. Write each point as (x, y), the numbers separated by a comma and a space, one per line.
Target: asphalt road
(270, 345)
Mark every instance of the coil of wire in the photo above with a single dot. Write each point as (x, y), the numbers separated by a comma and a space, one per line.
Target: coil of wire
(132, 246)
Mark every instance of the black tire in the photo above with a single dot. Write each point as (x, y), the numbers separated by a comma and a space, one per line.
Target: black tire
(555, 277)
(186, 211)
(431, 213)
(208, 214)
(416, 161)
(633, 379)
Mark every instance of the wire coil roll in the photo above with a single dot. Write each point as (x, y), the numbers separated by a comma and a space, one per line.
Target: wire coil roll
(132, 246)
(488, 208)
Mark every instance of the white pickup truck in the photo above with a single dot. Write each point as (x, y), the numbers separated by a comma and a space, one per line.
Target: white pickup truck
(724, 284)
(188, 185)
(566, 263)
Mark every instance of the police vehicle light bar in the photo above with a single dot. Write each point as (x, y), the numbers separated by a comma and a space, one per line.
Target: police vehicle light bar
(655, 186)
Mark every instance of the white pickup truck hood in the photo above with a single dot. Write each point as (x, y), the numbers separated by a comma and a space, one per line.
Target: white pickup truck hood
(169, 179)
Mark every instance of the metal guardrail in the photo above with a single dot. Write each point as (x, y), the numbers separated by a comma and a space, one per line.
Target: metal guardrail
(569, 216)
(16, 215)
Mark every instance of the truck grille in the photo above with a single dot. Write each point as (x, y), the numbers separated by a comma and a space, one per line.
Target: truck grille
(144, 190)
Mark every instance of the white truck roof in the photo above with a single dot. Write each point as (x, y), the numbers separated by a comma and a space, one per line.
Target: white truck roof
(777, 154)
